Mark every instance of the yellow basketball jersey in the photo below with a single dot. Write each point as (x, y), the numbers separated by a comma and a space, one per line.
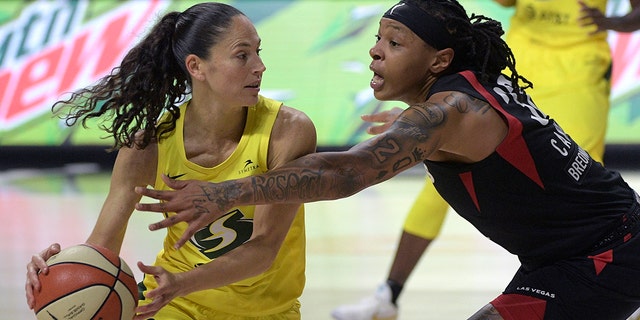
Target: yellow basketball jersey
(277, 289)
(552, 48)
(569, 67)
(554, 22)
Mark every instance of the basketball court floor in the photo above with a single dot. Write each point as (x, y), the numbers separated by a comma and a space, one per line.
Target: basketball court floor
(350, 243)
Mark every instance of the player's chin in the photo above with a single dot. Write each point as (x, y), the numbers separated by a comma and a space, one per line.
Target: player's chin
(382, 95)
(250, 100)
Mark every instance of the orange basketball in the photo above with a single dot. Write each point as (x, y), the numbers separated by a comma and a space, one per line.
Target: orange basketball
(86, 282)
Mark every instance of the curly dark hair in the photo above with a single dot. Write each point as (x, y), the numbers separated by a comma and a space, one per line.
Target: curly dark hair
(151, 79)
(477, 42)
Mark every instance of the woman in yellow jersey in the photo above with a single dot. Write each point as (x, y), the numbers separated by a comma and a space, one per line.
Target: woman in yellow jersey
(569, 62)
(199, 72)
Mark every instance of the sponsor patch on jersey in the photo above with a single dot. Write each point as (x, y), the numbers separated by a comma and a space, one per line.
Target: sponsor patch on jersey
(249, 165)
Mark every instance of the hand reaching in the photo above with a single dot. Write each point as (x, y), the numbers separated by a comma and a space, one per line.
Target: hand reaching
(38, 264)
(167, 290)
(386, 118)
(592, 16)
(194, 202)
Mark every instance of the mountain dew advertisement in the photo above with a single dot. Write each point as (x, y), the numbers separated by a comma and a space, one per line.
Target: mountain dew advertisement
(316, 53)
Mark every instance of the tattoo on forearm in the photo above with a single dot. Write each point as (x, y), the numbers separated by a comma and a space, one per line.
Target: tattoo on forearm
(305, 184)
(385, 149)
(402, 164)
(327, 180)
(223, 195)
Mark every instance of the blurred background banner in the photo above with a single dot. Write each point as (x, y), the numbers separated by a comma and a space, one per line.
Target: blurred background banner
(316, 53)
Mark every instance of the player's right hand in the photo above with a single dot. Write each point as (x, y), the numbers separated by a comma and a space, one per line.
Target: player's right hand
(38, 264)
(386, 118)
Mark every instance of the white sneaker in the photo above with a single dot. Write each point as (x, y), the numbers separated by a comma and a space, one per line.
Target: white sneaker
(376, 307)
(635, 315)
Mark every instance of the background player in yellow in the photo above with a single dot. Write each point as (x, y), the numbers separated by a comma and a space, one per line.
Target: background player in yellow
(561, 48)
(249, 263)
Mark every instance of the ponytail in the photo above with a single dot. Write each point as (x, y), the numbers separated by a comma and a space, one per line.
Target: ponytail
(151, 79)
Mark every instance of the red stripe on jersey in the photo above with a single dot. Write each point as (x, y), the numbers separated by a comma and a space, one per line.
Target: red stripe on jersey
(467, 180)
(519, 307)
(517, 154)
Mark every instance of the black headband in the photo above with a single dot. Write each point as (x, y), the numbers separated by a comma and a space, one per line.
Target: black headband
(423, 25)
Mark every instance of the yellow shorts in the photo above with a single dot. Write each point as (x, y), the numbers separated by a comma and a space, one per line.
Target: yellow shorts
(427, 213)
(182, 308)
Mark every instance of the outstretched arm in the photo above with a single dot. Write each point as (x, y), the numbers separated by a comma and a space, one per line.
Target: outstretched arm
(449, 127)
(314, 177)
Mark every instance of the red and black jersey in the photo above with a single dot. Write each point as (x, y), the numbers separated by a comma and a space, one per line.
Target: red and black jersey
(539, 195)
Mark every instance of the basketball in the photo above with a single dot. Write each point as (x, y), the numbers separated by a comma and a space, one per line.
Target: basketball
(86, 282)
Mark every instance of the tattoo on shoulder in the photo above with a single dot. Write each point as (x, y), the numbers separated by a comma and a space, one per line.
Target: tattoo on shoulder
(464, 103)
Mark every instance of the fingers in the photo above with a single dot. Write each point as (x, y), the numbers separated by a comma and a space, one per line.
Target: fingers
(152, 207)
(155, 194)
(28, 289)
(380, 117)
(377, 118)
(162, 195)
(373, 130)
(29, 294)
(170, 221)
(173, 183)
(385, 118)
(150, 270)
(188, 233)
(369, 118)
(40, 260)
(588, 15)
(147, 311)
(158, 300)
(38, 264)
(144, 268)
(152, 193)
(32, 274)
(54, 248)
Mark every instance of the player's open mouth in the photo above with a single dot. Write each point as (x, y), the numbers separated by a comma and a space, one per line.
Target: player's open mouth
(377, 81)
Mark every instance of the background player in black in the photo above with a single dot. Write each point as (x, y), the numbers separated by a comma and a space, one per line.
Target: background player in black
(501, 163)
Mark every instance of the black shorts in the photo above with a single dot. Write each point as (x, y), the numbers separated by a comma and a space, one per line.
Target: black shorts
(604, 284)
